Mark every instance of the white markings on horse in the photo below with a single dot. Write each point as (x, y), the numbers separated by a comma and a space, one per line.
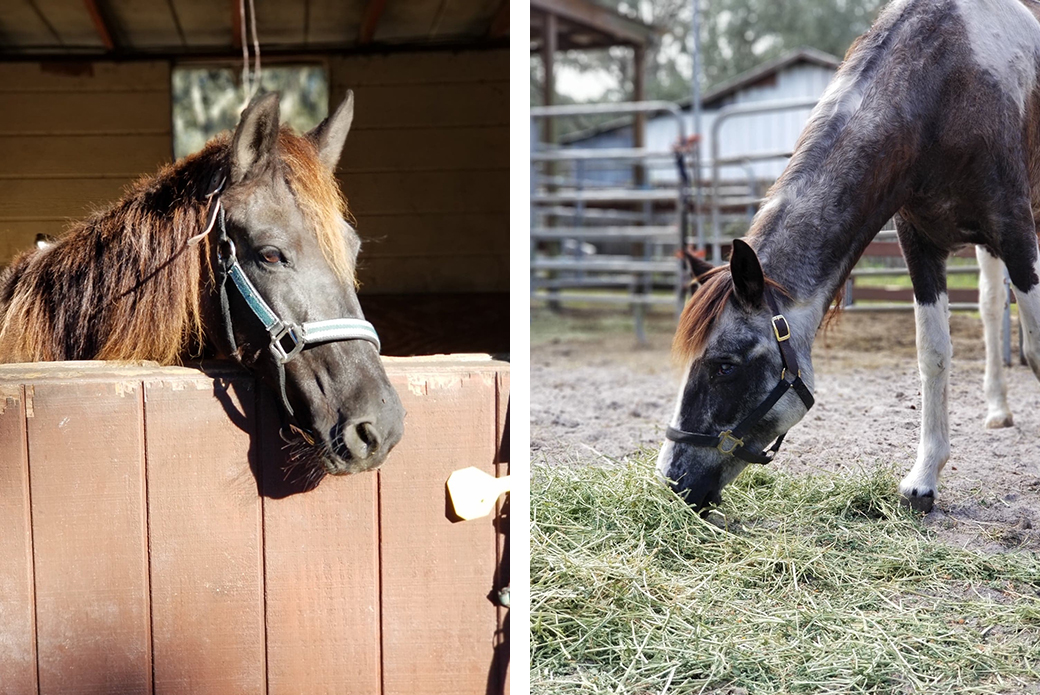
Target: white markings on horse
(1004, 35)
(934, 352)
(992, 302)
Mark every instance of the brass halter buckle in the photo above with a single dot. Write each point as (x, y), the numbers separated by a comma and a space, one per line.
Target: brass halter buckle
(728, 443)
(781, 329)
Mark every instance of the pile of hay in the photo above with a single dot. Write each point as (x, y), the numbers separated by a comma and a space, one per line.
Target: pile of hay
(806, 585)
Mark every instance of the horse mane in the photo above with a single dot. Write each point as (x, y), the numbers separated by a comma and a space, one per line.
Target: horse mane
(124, 284)
(702, 311)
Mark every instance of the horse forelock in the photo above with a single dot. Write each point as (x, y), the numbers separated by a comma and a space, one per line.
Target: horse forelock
(320, 199)
(702, 313)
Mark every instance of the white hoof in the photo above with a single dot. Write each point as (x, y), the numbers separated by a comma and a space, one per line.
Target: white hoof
(999, 419)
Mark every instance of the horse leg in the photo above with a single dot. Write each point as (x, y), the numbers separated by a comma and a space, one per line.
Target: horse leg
(992, 301)
(927, 266)
(1023, 262)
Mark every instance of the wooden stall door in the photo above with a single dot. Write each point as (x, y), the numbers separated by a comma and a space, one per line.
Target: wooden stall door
(139, 555)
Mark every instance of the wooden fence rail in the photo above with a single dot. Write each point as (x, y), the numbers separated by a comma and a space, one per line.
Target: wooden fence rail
(151, 543)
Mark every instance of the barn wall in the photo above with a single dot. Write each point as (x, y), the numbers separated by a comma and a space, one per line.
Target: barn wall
(426, 167)
(141, 560)
(72, 135)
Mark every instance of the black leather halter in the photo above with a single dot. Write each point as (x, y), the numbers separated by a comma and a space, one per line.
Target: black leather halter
(732, 441)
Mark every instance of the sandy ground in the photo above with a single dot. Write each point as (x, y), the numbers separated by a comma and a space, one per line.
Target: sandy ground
(597, 399)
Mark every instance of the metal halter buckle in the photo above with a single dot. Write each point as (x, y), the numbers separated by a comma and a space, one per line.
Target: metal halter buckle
(781, 329)
(728, 443)
(280, 351)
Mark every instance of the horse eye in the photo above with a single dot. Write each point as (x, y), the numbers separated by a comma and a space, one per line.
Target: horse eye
(725, 369)
(271, 255)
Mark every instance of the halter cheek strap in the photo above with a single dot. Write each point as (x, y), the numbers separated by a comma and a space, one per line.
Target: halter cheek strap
(288, 339)
(732, 441)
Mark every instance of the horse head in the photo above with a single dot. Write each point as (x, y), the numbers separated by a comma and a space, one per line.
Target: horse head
(278, 221)
(746, 382)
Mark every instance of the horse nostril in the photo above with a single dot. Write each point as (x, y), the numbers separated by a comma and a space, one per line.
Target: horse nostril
(355, 441)
(368, 436)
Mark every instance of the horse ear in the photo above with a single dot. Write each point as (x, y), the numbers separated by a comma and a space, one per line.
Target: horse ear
(330, 135)
(749, 283)
(695, 264)
(254, 141)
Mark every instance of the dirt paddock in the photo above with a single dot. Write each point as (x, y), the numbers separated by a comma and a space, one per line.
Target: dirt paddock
(597, 398)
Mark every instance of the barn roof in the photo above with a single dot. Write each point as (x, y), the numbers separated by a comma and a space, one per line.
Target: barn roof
(131, 28)
(764, 71)
(584, 24)
(713, 97)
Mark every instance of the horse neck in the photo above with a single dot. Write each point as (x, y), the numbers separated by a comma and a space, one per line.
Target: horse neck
(841, 187)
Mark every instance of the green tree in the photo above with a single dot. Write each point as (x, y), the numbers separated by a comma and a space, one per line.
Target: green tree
(736, 35)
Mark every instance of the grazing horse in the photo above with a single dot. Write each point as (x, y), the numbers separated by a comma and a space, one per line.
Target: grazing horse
(933, 118)
(241, 250)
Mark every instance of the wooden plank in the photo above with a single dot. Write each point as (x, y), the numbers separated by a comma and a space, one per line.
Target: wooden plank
(437, 621)
(475, 273)
(499, 26)
(906, 294)
(391, 236)
(88, 516)
(205, 529)
(332, 20)
(70, 198)
(322, 559)
(16, 237)
(403, 21)
(418, 68)
(370, 20)
(502, 576)
(83, 112)
(459, 104)
(435, 324)
(70, 21)
(101, 76)
(433, 149)
(99, 16)
(421, 192)
(891, 249)
(17, 614)
(125, 156)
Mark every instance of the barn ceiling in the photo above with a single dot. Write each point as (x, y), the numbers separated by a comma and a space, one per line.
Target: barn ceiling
(185, 27)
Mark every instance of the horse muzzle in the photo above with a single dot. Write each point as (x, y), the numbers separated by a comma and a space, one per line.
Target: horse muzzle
(361, 442)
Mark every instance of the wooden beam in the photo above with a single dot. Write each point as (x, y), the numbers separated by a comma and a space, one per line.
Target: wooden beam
(639, 94)
(590, 15)
(370, 20)
(102, 22)
(499, 26)
(236, 24)
(549, 81)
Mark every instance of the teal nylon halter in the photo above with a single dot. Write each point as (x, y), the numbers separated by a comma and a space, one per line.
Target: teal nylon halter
(288, 339)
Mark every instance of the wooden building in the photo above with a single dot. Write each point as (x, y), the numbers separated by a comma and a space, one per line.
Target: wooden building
(85, 108)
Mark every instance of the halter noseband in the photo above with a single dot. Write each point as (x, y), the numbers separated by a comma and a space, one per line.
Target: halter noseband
(732, 441)
(288, 339)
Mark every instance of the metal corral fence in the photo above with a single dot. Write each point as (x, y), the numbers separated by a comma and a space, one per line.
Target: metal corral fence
(594, 239)
(582, 220)
(152, 540)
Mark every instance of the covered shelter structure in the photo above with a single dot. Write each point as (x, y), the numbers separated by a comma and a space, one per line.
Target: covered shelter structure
(566, 25)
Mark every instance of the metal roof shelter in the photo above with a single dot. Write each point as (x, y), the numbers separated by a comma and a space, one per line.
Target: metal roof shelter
(565, 25)
(130, 28)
